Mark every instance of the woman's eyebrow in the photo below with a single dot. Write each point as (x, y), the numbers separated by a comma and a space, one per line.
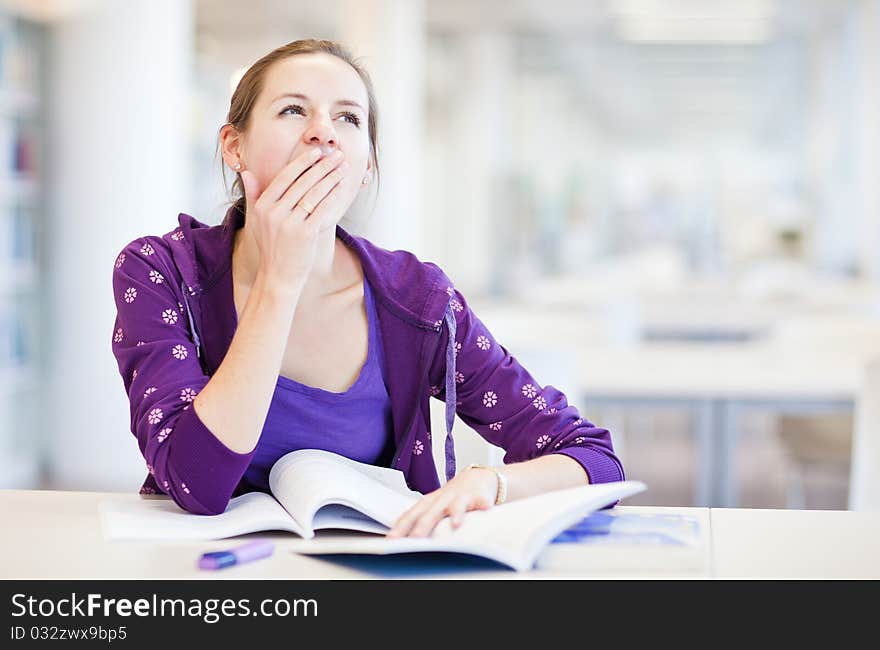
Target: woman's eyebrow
(341, 102)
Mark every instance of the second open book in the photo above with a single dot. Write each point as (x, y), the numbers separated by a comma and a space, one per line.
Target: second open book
(314, 490)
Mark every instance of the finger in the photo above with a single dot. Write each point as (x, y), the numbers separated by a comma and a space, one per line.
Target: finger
(289, 173)
(319, 195)
(399, 526)
(298, 187)
(404, 524)
(326, 206)
(411, 517)
(426, 523)
(249, 182)
(457, 510)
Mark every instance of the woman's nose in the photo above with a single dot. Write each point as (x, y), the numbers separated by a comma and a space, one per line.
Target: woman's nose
(321, 135)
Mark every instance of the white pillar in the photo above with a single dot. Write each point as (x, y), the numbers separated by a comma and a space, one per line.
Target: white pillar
(843, 155)
(470, 217)
(868, 137)
(481, 151)
(118, 116)
(864, 482)
(545, 156)
(388, 36)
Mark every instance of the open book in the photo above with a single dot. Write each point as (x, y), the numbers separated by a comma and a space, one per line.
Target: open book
(314, 489)
(311, 489)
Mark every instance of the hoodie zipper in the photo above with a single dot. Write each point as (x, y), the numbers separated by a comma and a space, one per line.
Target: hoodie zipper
(436, 327)
(192, 324)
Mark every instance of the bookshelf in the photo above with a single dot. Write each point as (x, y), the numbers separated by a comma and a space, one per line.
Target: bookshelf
(22, 197)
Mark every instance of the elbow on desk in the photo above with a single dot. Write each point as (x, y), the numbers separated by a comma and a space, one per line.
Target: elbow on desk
(201, 472)
(212, 505)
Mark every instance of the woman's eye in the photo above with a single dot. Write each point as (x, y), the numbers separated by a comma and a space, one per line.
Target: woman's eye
(351, 117)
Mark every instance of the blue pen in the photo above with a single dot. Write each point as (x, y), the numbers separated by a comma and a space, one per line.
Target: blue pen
(238, 555)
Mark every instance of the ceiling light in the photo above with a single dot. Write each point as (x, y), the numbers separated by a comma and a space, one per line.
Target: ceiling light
(695, 31)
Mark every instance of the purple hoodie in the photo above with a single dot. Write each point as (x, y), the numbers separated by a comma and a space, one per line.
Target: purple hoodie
(175, 322)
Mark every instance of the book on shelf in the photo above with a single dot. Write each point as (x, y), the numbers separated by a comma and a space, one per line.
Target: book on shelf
(313, 490)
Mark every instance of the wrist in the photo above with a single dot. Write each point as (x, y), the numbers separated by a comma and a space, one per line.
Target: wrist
(274, 290)
(499, 493)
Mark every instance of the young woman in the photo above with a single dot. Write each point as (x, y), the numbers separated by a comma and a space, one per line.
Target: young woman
(278, 330)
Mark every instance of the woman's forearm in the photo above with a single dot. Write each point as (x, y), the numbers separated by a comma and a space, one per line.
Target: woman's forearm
(543, 474)
(235, 402)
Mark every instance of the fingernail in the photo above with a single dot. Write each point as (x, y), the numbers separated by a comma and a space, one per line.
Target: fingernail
(344, 165)
(316, 153)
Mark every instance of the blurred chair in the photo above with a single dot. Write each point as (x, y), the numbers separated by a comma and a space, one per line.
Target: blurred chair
(839, 450)
(817, 451)
(864, 493)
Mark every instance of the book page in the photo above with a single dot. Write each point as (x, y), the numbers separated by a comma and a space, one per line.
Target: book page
(335, 515)
(307, 480)
(162, 519)
(513, 533)
(518, 530)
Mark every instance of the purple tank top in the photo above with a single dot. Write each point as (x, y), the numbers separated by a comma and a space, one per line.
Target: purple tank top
(356, 424)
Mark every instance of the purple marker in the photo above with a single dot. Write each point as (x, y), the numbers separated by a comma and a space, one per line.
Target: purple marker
(238, 555)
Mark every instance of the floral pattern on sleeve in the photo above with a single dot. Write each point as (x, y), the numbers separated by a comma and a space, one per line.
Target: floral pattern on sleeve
(507, 406)
(156, 358)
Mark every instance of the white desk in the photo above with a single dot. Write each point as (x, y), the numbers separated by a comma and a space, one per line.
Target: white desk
(795, 544)
(57, 535)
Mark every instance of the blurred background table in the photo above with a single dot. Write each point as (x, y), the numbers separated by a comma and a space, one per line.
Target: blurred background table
(714, 352)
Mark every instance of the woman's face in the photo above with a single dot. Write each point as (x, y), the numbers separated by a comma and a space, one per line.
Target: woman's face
(307, 101)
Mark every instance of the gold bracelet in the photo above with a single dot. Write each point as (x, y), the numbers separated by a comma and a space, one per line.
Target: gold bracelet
(501, 493)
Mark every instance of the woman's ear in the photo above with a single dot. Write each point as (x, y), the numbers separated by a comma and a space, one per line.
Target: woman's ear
(230, 144)
(368, 174)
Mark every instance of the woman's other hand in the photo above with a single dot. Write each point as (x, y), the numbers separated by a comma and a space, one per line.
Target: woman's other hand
(472, 489)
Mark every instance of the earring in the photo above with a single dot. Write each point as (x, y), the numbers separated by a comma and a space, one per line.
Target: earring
(365, 180)
(237, 166)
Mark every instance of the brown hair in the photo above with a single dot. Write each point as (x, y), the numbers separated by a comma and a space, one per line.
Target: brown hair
(251, 85)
